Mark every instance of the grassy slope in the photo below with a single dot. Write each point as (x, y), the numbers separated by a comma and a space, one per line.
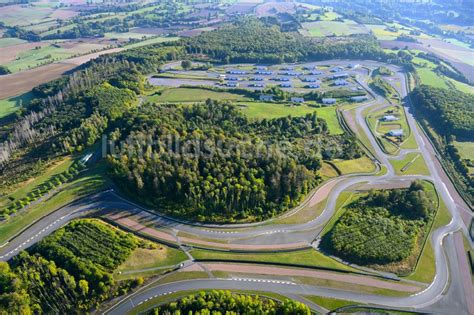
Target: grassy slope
(360, 165)
(144, 258)
(90, 181)
(24, 188)
(262, 110)
(10, 105)
(177, 95)
(308, 257)
(418, 167)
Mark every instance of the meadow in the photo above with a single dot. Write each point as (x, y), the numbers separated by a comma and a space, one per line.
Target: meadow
(178, 95)
(260, 110)
(328, 28)
(52, 52)
(412, 164)
(12, 104)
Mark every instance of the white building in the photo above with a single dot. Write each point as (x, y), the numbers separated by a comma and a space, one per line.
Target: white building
(389, 118)
(359, 98)
(329, 101)
(266, 97)
(396, 133)
(297, 100)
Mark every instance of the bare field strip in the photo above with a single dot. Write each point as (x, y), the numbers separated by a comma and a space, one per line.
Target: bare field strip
(24, 81)
(10, 53)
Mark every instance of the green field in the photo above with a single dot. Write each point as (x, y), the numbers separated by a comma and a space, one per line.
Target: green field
(429, 77)
(24, 15)
(155, 257)
(328, 28)
(262, 110)
(383, 33)
(10, 105)
(465, 148)
(36, 57)
(360, 165)
(178, 95)
(154, 40)
(412, 164)
(5, 42)
(309, 257)
(329, 303)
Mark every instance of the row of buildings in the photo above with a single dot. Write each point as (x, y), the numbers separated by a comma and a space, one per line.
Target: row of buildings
(325, 101)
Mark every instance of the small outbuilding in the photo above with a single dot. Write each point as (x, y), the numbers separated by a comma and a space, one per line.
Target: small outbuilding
(297, 100)
(389, 118)
(340, 82)
(266, 97)
(329, 101)
(396, 133)
(359, 98)
(340, 75)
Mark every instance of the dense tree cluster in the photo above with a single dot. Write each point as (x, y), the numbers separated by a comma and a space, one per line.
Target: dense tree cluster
(4, 70)
(69, 271)
(224, 302)
(382, 227)
(449, 111)
(250, 40)
(209, 162)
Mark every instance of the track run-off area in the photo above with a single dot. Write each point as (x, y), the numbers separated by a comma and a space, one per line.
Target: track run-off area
(273, 236)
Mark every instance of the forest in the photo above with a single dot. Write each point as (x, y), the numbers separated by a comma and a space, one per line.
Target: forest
(251, 40)
(226, 302)
(382, 227)
(451, 112)
(208, 162)
(68, 271)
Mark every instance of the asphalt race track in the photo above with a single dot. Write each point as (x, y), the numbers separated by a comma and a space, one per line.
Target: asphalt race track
(445, 294)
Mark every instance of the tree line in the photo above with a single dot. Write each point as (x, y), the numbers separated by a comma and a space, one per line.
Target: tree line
(226, 302)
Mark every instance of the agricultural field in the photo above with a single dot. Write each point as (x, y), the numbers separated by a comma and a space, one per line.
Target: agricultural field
(23, 15)
(329, 28)
(308, 257)
(8, 41)
(50, 53)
